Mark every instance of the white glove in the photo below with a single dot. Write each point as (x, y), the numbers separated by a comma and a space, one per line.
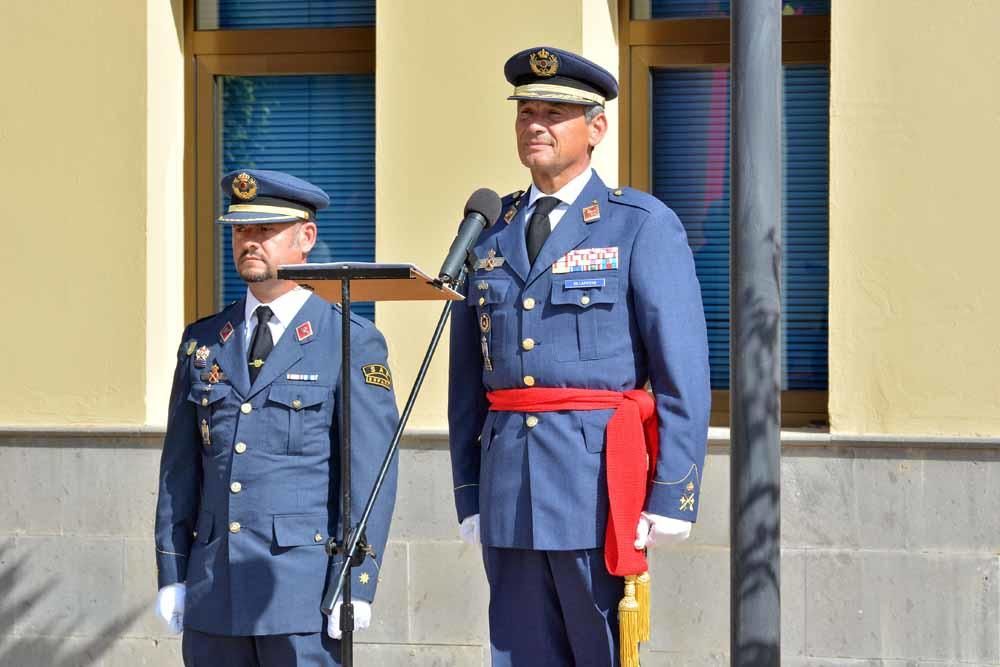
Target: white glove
(362, 618)
(468, 530)
(654, 529)
(170, 607)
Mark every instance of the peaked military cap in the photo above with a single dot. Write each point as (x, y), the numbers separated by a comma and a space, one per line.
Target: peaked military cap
(258, 196)
(553, 75)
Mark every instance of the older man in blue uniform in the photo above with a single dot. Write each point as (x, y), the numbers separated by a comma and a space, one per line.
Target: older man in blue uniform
(565, 468)
(250, 474)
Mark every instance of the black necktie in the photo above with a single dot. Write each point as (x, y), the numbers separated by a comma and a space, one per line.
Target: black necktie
(261, 344)
(539, 226)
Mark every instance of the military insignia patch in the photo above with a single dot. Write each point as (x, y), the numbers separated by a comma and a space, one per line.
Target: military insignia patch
(484, 323)
(491, 262)
(378, 375)
(592, 213)
(509, 215)
(587, 259)
(190, 347)
(687, 501)
(543, 63)
(214, 375)
(227, 332)
(304, 331)
(364, 578)
(244, 187)
(201, 357)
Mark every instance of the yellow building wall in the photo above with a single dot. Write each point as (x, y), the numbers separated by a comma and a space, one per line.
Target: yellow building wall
(444, 129)
(914, 140)
(74, 192)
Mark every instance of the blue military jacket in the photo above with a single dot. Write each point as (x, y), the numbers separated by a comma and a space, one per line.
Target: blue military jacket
(250, 475)
(612, 302)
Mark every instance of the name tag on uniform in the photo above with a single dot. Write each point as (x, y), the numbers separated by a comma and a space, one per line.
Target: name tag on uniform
(302, 377)
(583, 284)
(587, 259)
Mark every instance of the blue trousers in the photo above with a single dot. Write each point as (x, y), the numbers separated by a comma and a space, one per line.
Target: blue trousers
(552, 608)
(307, 650)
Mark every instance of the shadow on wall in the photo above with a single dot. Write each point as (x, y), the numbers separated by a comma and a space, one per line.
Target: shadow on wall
(51, 650)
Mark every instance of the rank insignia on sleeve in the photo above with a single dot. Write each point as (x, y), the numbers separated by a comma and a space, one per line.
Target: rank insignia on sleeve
(227, 332)
(378, 375)
(201, 357)
(304, 331)
(364, 578)
(592, 213)
(687, 501)
(190, 347)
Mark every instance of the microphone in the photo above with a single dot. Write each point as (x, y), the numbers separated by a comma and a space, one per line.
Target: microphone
(481, 211)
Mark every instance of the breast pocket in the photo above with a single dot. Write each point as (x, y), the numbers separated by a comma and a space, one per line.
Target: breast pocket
(488, 296)
(301, 410)
(300, 530)
(589, 326)
(208, 398)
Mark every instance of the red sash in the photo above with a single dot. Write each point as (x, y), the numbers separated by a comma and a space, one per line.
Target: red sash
(630, 454)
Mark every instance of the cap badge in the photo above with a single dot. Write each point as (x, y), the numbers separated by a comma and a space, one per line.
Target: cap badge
(544, 63)
(244, 187)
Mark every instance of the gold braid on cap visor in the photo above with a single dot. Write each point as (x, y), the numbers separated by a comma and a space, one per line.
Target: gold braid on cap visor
(260, 208)
(555, 92)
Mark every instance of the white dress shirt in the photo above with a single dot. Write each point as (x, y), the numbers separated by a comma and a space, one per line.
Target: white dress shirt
(285, 308)
(566, 195)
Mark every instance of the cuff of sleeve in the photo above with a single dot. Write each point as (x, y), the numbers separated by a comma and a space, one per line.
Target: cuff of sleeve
(466, 500)
(364, 579)
(677, 499)
(171, 568)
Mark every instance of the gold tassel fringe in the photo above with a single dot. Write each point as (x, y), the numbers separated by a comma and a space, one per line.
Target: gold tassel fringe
(642, 596)
(628, 625)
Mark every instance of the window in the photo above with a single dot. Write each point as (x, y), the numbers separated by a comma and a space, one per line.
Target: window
(676, 138)
(285, 85)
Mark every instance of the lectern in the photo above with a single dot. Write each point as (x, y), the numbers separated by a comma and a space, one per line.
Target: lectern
(342, 282)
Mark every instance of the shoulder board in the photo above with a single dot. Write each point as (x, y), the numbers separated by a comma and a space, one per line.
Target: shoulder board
(508, 198)
(634, 198)
(355, 318)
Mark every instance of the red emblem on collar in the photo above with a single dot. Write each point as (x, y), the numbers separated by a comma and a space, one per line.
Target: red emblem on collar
(303, 331)
(592, 213)
(227, 332)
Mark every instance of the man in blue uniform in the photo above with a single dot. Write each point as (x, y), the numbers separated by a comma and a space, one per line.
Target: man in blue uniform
(565, 469)
(250, 475)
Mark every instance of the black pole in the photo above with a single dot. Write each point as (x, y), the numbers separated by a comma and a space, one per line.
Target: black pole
(755, 327)
(352, 546)
(347, 608)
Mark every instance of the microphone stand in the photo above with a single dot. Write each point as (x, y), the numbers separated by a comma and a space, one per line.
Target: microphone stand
(354, 547)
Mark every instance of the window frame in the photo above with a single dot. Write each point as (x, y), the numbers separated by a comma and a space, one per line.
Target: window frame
(703, 42)
(212, 53)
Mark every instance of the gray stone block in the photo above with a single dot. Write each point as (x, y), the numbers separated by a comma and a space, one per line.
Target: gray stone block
(889, 500)
(903, 606)
(138, 652)
(72, 586)
(817, 500)
(793, 602)
(712, 528)
(386, 655)
(54, 651)
(139, 588)
(32, 507)
(690, 606)
(110, 491)
(449, 596)
(425, 504)
(670, 659)
(390, 613)
(961, 497)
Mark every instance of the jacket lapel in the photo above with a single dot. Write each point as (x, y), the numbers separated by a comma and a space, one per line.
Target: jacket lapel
(232, 355)
(571, 230)
(513, 244)
(288, 350)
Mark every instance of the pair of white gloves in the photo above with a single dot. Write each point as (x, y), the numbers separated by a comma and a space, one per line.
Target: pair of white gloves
(170, 608)
(651, 530)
